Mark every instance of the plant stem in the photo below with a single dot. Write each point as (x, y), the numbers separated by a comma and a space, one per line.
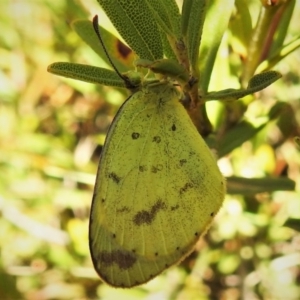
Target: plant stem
(260, 42)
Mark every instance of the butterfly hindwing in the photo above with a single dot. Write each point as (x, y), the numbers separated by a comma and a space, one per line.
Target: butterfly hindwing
(157, 190)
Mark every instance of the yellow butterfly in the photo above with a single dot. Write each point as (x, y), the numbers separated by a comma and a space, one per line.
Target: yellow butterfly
(157, 190)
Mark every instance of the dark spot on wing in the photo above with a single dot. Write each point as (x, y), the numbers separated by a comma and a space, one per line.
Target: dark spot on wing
(135, 135)
(182, 162)
(212, 214)
(123, 50)
(123, 209)
(156, 139)
(187, 186)
(147, 217)
(124, 260)
(143, 168)
(102, 200)
(174, 207)
(114, 235)
(191, 153)
(114, 177)
(157, 168)
(173, 128)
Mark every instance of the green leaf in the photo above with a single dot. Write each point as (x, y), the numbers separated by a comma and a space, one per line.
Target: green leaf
(250, 186)
(293, 223)
(262, 80)
(256, 83)
(280, 109)
(87, 73)
(280, 55)
(120, 53)
(239, 134)
(216, 22)
(9, 285)
(241, 27)
(166, 14)
(166, 67)
(282, 28)
(244, 131)
(134, 21)
(297, 141)
(193, 14)
(168, 50)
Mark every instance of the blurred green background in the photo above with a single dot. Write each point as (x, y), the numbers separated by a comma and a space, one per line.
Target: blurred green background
(51, 130)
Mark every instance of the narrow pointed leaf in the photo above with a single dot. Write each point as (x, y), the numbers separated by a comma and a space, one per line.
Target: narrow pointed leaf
(262, 80)
(239, 134)
(166, 14)
(120, 53)
(241, 28)
(134, 21)
(216, 23)
(297, 141)
(168, 50)
(87, 73)
(245, 130)
(257, 83)
(193, 14)
(293, 223)
(280, 55)
(281, 31)
(166, 67)
(251, 186)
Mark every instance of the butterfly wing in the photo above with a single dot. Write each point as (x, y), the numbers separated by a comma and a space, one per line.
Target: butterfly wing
(157, 189)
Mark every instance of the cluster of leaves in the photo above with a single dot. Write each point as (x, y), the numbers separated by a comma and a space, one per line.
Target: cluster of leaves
(51, 129)
(168, 43)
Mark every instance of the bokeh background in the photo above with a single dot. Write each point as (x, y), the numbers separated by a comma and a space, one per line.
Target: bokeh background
(51, 132)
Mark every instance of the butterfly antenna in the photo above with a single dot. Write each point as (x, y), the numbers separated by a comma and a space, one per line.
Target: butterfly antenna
(96, 28)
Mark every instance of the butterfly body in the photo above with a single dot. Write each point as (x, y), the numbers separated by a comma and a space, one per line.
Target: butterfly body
(158, 188)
